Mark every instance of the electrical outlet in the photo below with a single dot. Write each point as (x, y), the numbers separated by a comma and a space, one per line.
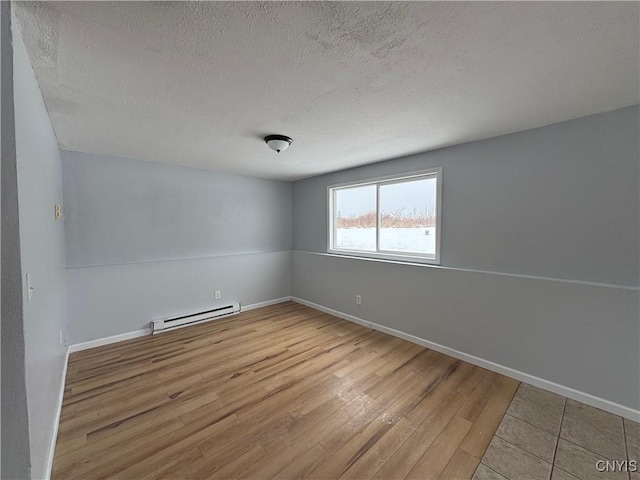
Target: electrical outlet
(57, 212)
(358, 300)
(61, 337)
(216, 295)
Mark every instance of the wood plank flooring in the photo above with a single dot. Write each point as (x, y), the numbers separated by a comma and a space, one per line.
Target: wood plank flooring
(280, 392)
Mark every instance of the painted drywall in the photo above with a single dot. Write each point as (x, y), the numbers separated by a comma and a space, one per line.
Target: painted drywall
(148, 241)
(16, 457)
(559, 201)
(123, 211)
(116, 299)
(578, 335)
(42, 256)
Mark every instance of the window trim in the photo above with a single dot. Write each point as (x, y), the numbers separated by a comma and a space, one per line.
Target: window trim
(386, 254)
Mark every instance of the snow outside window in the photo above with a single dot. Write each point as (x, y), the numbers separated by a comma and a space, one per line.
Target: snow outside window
(395, 218)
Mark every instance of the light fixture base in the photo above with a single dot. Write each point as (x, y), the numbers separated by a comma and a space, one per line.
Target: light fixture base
(278, 143)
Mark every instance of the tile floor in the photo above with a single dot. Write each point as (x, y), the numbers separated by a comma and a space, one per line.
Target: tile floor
(544, 436)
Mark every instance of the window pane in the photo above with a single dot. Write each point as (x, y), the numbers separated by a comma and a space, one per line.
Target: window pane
(408, 217)
(355, 218)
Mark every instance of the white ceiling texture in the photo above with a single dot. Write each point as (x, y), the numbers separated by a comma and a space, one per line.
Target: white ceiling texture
(200, 83)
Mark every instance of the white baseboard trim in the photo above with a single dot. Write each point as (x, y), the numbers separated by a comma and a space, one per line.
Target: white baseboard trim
(333, 312)
(253, 306)
(568, 392)
(108, 340)
(52, 446)
(146, 331)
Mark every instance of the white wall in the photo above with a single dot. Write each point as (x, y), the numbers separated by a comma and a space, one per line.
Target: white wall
(559, 203)
(42, 255)
(148, 241)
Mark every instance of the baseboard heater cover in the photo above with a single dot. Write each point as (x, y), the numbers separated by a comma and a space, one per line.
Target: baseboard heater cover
(168, 324)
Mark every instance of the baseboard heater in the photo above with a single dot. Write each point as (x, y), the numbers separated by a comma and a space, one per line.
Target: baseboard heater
(168, 324)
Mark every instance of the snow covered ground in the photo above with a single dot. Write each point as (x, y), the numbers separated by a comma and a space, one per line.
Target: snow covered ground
(421, 240)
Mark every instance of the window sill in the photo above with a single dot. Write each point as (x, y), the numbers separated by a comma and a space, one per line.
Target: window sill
(396, 259)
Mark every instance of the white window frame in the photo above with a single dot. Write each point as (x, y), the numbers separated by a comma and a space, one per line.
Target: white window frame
(412, 257)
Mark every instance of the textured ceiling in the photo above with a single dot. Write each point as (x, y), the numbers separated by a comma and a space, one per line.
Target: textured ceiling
(199, 84)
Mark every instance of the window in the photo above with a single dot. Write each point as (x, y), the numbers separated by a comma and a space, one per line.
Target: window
(395, 218)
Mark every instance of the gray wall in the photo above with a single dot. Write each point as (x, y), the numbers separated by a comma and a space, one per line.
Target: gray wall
(42, 255)
(578, 335)
(147, 241)
(114, 299)
(16, 462)
(559, 202)
(121, 211)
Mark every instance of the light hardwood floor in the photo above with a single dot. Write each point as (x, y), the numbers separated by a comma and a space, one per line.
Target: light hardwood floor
(280, 392)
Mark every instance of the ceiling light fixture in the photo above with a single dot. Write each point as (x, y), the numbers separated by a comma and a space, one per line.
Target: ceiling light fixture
(278, 142)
